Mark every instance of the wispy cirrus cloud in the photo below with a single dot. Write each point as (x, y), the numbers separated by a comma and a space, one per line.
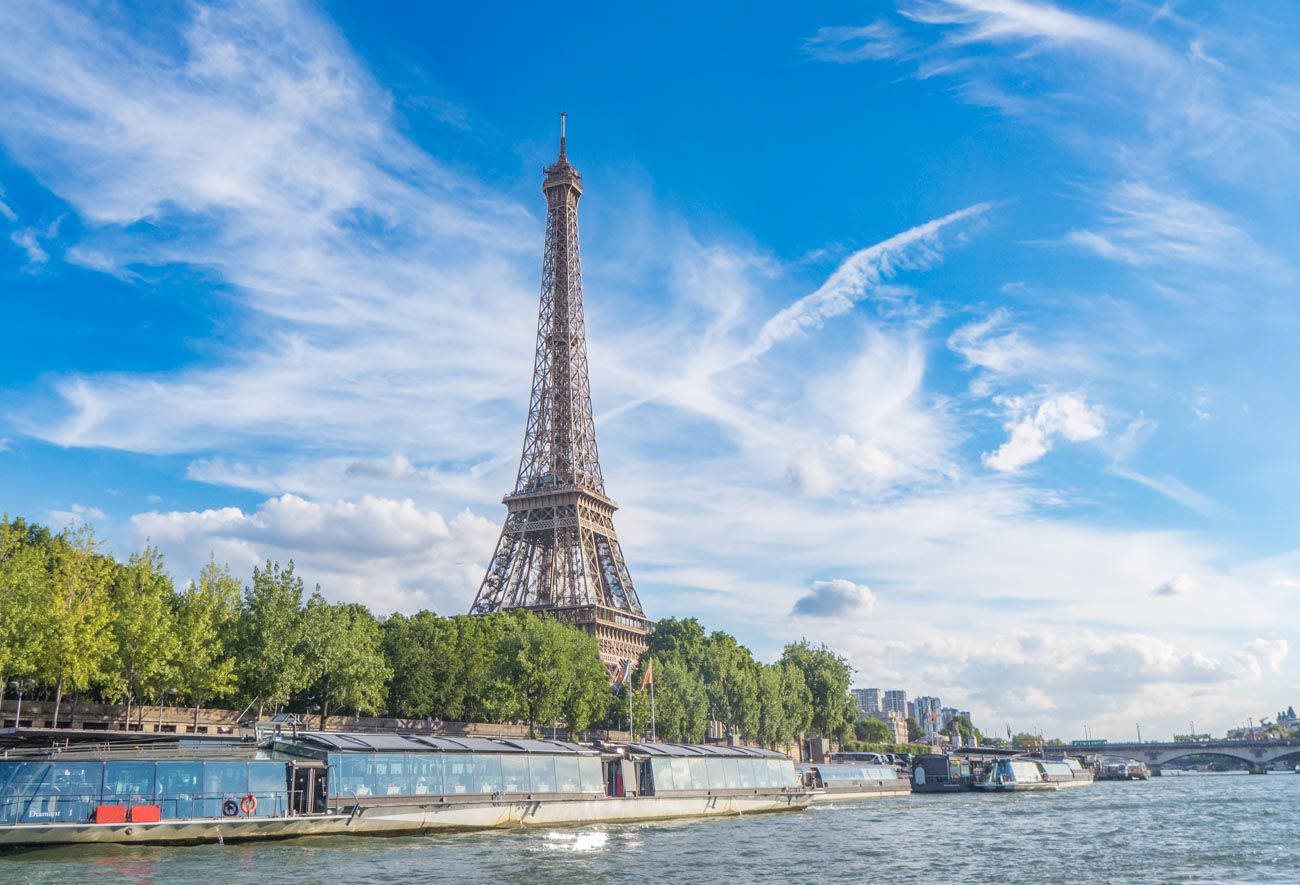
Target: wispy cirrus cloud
(845, 45)
(1144, 226)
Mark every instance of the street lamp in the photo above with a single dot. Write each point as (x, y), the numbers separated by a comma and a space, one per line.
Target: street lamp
(20, 686)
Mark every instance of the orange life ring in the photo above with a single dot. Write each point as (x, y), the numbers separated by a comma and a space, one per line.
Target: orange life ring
(248, 804)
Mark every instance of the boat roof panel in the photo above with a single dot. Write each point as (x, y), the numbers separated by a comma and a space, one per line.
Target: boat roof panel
(662, 749)
(366, 742)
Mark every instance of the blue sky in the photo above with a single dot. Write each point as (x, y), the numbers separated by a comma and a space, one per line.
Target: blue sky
(957, 334)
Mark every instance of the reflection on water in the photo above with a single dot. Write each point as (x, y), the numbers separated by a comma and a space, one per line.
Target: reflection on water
(1240, 829)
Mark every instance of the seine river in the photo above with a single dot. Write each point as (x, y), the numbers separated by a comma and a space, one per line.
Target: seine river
(1172, 829)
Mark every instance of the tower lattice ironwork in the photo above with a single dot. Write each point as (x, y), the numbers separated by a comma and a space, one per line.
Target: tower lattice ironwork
(558, 552)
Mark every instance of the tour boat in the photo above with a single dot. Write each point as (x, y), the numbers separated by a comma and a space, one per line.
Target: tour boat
(1023, 773)
(319, 783)
(842, 781)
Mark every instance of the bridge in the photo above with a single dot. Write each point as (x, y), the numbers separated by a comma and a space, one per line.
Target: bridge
(1258, 754)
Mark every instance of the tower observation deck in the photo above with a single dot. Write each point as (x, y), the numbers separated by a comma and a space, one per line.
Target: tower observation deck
(558, 552)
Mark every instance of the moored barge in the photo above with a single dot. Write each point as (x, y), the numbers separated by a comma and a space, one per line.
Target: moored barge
(845, 781)
(321, 783)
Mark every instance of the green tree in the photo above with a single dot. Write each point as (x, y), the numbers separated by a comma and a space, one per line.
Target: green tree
(730, 677)
(270, 636)
(681, 640)
(873, 731)
(480, 693)
(343, 658)
(798, 701)
(207, 621)
(827, 676)
(586, 697)
(144, 627)
(74, 615)
(681, 703)
(539, 660)
(24, 552)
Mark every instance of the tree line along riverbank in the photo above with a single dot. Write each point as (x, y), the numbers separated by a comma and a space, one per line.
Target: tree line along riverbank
(78, 625)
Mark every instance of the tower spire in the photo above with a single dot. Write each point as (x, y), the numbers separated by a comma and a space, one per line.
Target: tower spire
(558, 551)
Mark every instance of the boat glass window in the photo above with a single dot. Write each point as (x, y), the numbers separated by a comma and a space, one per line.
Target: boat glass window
(487, 773)
(514, 773)
(699, 774)
(567, 776)
(717, 774)
(593, 774)
(128, 782)
(390, 776)
(662, 769)
(746, 768)
(178, 785)
(458, 772)
(222, 781)
(541, 774)
(731, 771)
(268, 783)
(68, 792)
(355, 775)
(426, 774)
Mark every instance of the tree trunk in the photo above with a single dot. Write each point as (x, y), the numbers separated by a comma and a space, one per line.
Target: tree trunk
(197, 704)
(324, 712)
(58, 700)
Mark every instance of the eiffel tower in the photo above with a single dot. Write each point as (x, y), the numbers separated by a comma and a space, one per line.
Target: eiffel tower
(558, 551)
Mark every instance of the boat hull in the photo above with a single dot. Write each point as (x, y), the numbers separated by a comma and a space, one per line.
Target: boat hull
(405, 819)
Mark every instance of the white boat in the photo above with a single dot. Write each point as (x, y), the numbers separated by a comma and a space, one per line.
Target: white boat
(844, 781)
(1023, 773)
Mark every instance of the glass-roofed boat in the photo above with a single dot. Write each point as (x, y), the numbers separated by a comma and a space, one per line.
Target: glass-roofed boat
(1023, 773)
(315, 783)
(842, 781)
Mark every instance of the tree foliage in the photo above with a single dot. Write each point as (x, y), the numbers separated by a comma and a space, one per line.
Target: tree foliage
(75, 620)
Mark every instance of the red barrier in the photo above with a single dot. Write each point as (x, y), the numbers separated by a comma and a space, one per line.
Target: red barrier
(110, 814)
(145, 814)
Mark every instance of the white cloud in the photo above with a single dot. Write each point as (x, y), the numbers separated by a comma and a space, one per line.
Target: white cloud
(996, 21)
(388, 554)
(6, 212)
(26, 240)
(834, 599)
(854, 279)
(1033, 431)
(1146, 226)
(77, 514)
(846, 45)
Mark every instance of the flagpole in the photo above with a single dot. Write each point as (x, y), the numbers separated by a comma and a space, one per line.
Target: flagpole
(654, 733)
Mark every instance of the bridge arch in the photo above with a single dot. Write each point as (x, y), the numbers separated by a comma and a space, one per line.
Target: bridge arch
(1169, 761)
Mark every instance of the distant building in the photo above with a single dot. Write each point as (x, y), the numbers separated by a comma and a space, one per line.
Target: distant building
(868, 699)
(928, 713)
(896, 721)
(946, 715)
(895, 700)
(1287, 718)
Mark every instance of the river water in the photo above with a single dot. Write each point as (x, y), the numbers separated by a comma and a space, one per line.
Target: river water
(1173, 829)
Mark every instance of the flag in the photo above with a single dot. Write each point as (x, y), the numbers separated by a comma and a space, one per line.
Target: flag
(1008, 731)
(649, 677)
(621, 676)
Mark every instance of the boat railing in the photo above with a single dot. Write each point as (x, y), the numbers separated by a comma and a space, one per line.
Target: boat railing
(67, 808)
